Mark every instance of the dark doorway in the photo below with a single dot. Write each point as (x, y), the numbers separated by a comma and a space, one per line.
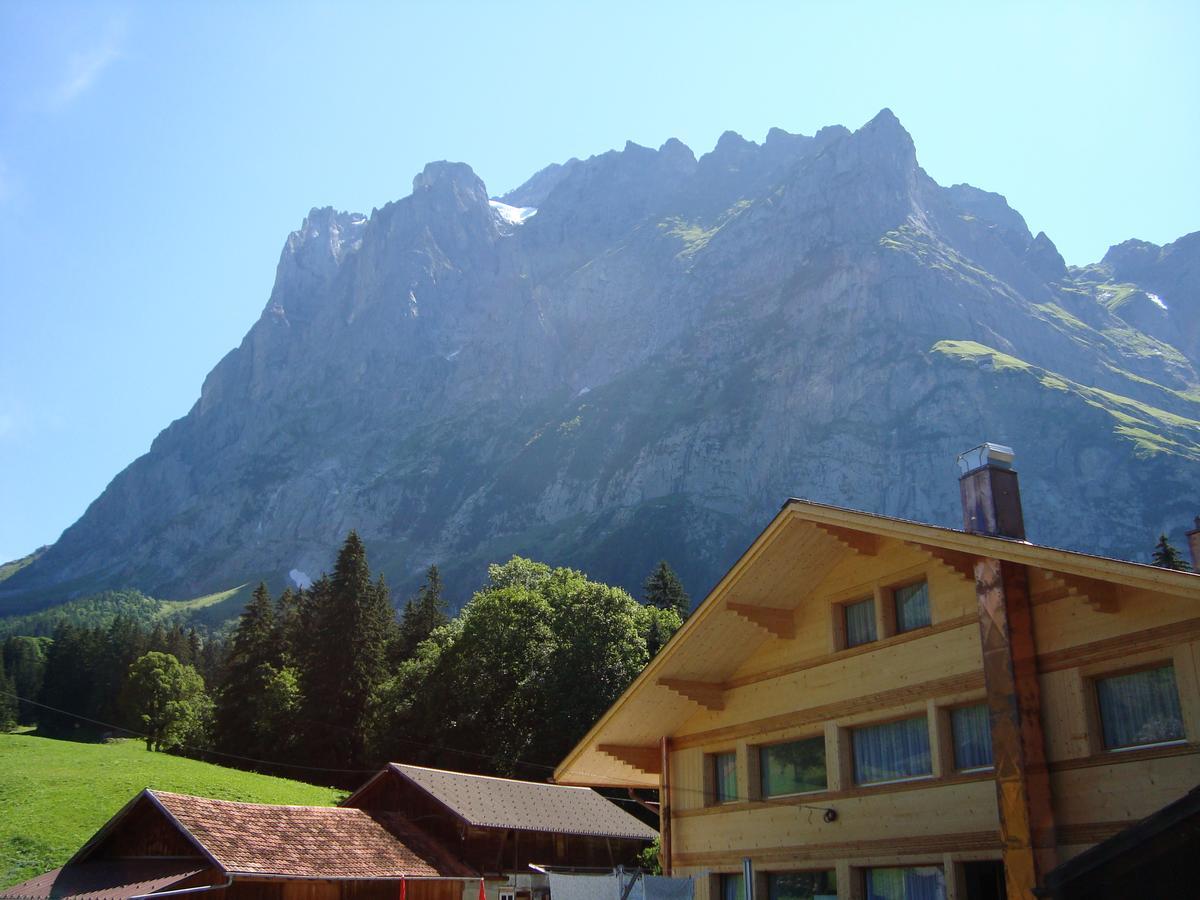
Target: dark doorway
(984, 880)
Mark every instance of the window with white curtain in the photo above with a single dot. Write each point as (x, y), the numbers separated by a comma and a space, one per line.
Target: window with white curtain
(912, 607)
(894, 751)
(860, 622)
(1139, 708)
(907, 883)
(972, 732)
(724, 774)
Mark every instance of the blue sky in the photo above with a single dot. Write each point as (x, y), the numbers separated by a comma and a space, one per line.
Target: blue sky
(153, 157)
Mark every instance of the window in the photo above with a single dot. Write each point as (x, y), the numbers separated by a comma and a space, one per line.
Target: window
(860, 622)
(796, 767)
(909, 883)
(1139, 708)
(733, 887)
(724, 777)
(896, 751)
(802, 885)
(912, 607)
(972, 731)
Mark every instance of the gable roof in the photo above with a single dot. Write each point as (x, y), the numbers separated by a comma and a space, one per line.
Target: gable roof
(308, 841)
(784, 564)
(106, 879)
(485, 801)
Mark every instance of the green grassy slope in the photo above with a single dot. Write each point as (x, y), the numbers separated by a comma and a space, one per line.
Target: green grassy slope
(9, 569)
(98, 611)
(54, 795)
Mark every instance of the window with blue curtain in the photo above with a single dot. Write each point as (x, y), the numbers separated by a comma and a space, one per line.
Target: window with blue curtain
(891, 752)
(907, 883)
(733, 887)
(860, 622)
(912, 607)
(794, 767)
(802, 885)
(1140, 708)
(972, 730)
(724, 777)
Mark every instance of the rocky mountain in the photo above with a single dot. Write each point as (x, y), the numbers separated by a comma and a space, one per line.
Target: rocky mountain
(641, 355)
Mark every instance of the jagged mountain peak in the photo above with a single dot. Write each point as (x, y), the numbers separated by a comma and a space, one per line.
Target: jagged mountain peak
(454, 180)
(888, 138)
(646, 366)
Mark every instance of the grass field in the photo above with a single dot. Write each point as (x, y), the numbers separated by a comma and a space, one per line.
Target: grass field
(54, 795)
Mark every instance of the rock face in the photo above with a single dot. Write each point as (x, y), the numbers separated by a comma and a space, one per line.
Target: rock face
(649, 365)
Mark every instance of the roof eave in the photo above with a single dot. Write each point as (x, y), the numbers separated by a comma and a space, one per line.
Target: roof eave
(650, 672)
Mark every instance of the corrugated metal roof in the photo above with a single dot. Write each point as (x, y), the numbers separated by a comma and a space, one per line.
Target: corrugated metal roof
(106, 880)
(488, 802)
(310, 841)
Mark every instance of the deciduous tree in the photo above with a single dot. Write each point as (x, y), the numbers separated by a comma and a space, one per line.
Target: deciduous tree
(170, 700)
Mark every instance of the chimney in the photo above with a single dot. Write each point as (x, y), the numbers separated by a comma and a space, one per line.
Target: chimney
(1193, 537)
(991, 499)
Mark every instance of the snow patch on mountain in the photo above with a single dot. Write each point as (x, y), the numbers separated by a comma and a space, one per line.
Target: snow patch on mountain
(513, 215)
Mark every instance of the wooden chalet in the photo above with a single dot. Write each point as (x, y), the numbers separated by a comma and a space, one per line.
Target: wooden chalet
(500, 826)
(420, 834)
(867, 707)
(163, 842)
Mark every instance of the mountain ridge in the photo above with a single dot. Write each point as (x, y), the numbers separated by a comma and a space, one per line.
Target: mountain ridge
(648, 365)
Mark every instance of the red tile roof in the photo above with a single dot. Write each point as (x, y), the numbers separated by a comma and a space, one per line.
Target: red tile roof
(106, 880)
(309, 841)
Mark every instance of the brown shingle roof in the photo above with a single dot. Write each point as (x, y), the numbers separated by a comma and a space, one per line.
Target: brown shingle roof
(489, 802)
(107, 880)
(309, 841)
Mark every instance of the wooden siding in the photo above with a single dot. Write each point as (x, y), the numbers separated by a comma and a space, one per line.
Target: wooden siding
(805, 686)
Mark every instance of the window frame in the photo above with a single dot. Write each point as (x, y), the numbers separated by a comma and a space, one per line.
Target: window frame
(895, 606)
(1098, 743)
(852, 758)
(863, 873)
(843, 608)
(775, 873)
(761, 771)
(712, 795)
(951, 746)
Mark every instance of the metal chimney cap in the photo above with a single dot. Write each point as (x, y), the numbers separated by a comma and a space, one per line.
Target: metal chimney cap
(996, 456)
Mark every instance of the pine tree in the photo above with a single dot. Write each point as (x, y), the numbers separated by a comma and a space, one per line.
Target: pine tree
(1167, 557)
(422, 614)
(8, 702)
(69, 684)
(664, 590)
(288, 625)
(25, 660)
(253, 658)
(345, 662)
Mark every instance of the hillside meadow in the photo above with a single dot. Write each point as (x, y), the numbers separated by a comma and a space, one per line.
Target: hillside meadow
(54, 795)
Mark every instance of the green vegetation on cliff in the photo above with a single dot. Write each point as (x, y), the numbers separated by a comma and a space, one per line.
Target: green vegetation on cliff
(1151, 429)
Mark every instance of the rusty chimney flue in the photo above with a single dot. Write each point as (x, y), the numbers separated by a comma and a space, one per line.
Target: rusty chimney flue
(1193, 538)
(991, 498)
